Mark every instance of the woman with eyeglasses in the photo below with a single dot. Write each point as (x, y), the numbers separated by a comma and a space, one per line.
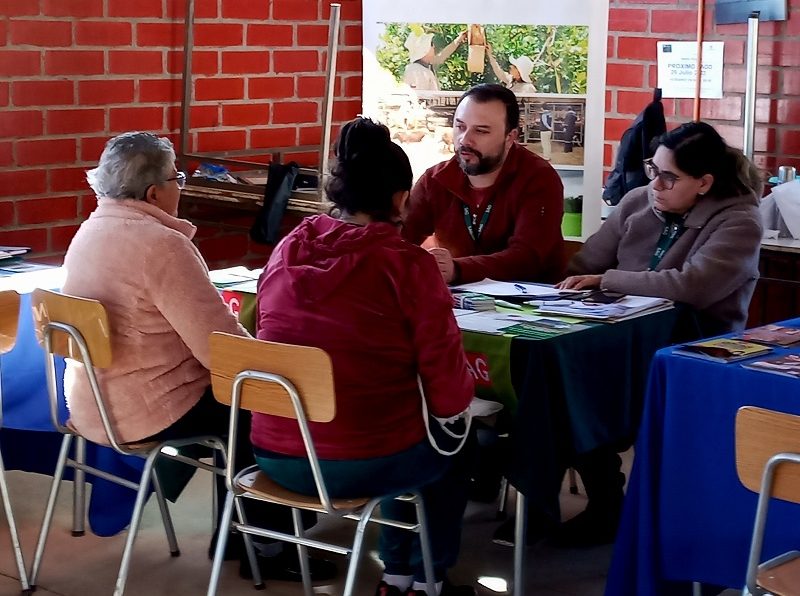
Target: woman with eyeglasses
(693, 236)
(135, 256)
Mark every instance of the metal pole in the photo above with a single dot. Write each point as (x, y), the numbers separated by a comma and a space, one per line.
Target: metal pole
(750, 89)
(701, 11)
(327, 100)
(188, 48)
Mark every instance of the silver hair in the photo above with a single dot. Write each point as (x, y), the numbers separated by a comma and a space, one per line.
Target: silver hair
(130, 164)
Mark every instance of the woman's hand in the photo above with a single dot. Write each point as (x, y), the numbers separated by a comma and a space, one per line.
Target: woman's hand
(580, 282)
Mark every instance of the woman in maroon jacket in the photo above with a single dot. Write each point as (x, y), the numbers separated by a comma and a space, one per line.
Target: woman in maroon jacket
(377, 304)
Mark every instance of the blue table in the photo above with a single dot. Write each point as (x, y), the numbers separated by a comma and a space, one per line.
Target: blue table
(687, 517)
(28, 439)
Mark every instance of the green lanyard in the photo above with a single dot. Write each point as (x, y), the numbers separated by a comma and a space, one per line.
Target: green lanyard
(673, 228)
(471, 220)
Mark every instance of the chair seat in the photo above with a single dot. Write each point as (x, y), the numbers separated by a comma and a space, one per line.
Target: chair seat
(781, 576)
(258, 483)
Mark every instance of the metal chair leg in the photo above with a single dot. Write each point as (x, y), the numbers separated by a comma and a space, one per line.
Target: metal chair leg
(258, 582)
(425, 545)
(501, 505)
(12, 528)
(355, 555)
(302, 553)
(520, 537)
(79, 490)
(133, 529)
(172, 540)
(51, 503)
(222, 542)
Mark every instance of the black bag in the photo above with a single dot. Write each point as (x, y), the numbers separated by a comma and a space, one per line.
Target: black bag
(634, 148)
(280, 182)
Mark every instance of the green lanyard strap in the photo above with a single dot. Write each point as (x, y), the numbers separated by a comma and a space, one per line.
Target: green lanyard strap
(673, 228)
(471, 220)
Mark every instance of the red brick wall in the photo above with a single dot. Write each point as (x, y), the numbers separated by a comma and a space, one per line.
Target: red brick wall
(636, 26)
(75, 72)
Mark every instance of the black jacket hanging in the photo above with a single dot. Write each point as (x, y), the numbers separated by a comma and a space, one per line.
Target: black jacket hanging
(635, 146)
(280, 182)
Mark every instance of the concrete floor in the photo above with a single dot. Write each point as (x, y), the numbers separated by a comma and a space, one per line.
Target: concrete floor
(88, 565)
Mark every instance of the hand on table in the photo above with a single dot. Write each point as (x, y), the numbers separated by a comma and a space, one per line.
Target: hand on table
(580, 282)
(445, 262)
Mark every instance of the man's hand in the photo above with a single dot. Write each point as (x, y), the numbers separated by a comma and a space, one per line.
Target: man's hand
(445, 262)
(580, 282)
(462, 37)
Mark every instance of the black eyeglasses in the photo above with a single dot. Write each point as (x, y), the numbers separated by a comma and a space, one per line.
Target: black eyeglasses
(180, 178)
(668, 179)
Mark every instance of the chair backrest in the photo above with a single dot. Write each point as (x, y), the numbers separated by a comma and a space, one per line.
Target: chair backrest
(760, 434)
(308, 369)
(9, 319)
(87, 317)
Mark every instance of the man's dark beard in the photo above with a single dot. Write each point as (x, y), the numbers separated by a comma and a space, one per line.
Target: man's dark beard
(485, 164)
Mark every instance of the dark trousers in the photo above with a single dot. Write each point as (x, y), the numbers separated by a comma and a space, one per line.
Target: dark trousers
(209, 417)
(601, 472)
(443, 482)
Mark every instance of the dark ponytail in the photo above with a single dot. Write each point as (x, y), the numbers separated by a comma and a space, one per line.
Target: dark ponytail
(369, 170)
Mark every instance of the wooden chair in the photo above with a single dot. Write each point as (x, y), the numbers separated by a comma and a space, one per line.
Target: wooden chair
(767, 458)
(299, 386)
(9, 318)
(78, 328)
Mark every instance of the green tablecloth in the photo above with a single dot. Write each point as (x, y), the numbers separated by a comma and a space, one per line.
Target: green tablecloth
(576, 392)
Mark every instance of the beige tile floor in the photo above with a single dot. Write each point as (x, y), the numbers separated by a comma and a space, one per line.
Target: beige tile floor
(87, 566)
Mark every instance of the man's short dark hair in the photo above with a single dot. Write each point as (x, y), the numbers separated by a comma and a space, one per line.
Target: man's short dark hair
(485, 93)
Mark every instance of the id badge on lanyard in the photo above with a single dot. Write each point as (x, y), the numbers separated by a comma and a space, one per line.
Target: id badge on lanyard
(472, 220)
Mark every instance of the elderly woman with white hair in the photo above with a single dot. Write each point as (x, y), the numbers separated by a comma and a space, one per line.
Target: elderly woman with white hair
(518, 79)
(135, 256)
(422, 57)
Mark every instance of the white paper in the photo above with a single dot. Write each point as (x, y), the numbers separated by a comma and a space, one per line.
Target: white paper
(484, 407)
(249, 286)
(460, 312)
(233, 275)
(492, 322)
(491, 287)
(25, 283)
(677, 69)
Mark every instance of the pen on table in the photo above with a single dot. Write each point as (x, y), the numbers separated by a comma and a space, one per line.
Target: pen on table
(521, 288)
(505, 304)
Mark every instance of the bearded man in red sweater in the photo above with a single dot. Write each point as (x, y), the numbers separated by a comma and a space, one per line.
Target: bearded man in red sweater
(494, 209)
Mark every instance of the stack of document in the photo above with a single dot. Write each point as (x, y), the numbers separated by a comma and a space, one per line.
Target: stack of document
(472, 301)
(625, 308)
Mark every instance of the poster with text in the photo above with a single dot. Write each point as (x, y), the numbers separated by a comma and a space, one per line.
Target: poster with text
(420, 57)
(677, 69)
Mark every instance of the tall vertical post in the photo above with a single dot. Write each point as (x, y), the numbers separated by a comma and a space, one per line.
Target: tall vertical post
(327, 101)
(188, 47)
(750, 89)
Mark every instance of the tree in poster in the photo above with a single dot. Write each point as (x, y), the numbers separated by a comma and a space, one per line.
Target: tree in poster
(559, 53)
